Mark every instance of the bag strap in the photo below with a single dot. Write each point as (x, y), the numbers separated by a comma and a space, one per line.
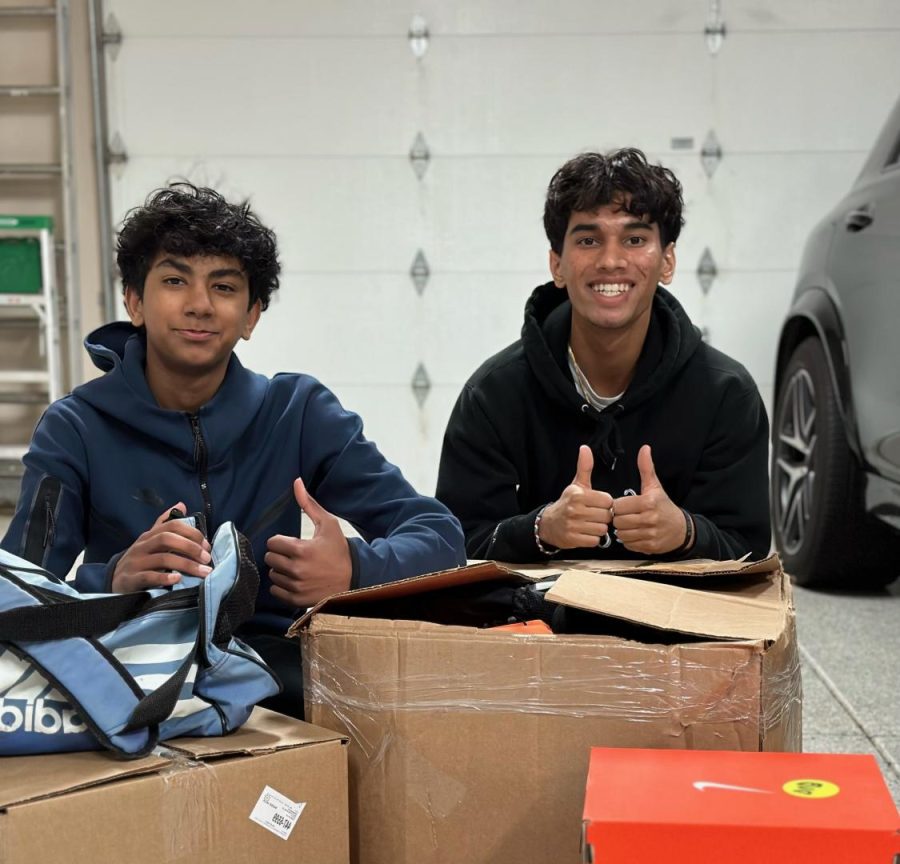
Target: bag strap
(155, 707)
(65, 618)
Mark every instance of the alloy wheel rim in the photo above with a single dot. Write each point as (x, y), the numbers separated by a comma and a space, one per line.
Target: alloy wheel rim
(794, 461)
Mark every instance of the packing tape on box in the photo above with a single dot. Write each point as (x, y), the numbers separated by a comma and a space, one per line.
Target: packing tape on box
(191, 806)
(782, 693)
(680, 687)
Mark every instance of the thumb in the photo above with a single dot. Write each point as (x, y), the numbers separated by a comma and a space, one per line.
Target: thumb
(308, 504)
(180, 509)
(649, 480)
(585, 467)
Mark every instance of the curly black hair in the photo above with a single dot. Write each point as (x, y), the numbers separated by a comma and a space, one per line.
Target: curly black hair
(592, 180)
(186, 220)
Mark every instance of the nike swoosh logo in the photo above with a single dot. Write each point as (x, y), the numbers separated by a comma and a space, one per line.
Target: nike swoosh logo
(700, 785)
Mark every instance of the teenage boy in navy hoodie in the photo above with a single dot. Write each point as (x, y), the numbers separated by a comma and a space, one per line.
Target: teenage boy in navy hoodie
(178, 423)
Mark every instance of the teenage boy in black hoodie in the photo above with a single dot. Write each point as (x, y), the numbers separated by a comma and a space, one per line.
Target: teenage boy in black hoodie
(610, 429)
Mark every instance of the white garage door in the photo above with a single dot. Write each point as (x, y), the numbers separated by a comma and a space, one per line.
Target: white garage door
(311, 109)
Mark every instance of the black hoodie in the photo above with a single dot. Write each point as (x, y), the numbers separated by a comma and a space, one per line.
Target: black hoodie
(511, 445)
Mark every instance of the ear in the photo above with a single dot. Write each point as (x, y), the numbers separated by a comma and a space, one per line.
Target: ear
(555, 261)
(668, 265)
(134, 305)
(252, 319)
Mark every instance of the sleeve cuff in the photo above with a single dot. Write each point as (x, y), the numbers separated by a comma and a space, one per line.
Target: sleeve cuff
(354, 564)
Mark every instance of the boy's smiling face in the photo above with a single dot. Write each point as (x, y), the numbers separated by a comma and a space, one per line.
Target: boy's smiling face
(194, 311)
(611, 263)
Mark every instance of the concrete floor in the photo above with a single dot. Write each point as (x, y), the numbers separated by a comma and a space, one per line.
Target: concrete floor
(850, 654)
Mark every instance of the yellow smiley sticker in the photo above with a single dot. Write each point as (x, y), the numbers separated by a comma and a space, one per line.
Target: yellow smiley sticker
(811, 788)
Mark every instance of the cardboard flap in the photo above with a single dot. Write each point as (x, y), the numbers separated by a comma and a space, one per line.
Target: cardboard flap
(696, 567)
(29, 778)
(264, 732)
(481, 572)
(748, 614)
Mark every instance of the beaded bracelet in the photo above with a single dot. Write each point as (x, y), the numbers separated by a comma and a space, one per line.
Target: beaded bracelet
(537, 537)
(688, 533)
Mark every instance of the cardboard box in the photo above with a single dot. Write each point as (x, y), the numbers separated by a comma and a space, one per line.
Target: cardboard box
(192, 804)
(472, 745)
(743, 808)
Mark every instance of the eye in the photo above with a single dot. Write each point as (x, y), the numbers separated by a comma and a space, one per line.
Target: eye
(635, 240)
(587, 241)
(173, 280)
(224, 288)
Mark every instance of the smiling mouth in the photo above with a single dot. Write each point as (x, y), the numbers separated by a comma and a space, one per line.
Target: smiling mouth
(196, 334)
(610, 289)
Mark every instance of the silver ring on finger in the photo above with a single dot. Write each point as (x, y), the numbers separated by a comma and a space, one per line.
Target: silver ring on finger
(604, 541)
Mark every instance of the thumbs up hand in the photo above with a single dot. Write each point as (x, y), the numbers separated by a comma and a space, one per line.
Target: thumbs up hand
(649, 523)
(580, 517)
(303, 572)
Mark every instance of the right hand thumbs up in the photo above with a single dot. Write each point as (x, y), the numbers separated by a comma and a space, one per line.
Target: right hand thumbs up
(581, 515)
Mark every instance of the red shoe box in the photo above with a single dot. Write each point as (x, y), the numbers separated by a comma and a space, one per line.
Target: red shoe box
(728, 807)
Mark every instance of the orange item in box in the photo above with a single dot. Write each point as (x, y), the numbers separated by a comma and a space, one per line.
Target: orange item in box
(535, 626)
(727, 807)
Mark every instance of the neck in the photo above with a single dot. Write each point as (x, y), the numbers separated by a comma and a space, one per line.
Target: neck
(607, 358)
(176, 391)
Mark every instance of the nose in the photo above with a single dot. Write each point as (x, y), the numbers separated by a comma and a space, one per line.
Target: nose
(198, 302)
(610, 256)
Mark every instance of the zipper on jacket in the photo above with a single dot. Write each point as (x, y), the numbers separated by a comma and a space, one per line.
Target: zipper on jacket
(50, 528)
(200, 461)
(40, 533)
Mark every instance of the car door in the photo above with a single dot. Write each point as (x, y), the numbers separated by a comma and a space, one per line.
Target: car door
(864, 264)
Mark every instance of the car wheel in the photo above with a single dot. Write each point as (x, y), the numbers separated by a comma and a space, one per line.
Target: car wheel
(822, 532)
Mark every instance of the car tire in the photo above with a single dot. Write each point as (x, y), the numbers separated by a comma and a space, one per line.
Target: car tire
(822, 532)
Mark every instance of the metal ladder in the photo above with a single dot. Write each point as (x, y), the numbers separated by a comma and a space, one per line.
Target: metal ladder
(42, 302)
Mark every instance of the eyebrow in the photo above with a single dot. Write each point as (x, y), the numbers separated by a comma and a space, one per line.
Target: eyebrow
(175, 264)
(227, 271)
(636, 225)
(183, 267)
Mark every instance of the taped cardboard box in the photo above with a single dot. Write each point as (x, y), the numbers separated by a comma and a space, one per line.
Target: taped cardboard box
(743, 808)
(472, 745)
(273, 791)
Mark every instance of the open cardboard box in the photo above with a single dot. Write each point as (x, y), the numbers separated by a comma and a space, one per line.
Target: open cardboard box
(191, 800)
(472, 744)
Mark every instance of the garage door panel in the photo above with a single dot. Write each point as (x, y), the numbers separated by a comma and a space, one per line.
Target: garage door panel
(825, 91)
(530, 103)
(743, 316)
(769, 15)
(392, 17)
(263, 97)
(376, 330)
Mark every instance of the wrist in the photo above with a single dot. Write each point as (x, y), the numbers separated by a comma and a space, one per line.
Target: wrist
(690, 534)
(543, 546)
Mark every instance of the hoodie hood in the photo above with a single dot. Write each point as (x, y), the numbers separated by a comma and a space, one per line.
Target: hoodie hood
(671, 341)
(120, 350)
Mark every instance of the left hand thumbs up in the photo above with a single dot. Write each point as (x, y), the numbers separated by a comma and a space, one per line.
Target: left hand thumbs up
(649, 523)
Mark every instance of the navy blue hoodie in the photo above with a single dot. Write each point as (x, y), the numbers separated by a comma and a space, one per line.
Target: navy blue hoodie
(106, 460)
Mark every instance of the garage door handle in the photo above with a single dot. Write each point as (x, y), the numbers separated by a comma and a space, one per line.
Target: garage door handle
(856, 220)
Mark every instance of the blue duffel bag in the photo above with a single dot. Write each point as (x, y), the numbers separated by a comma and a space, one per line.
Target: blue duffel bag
(123, 671)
